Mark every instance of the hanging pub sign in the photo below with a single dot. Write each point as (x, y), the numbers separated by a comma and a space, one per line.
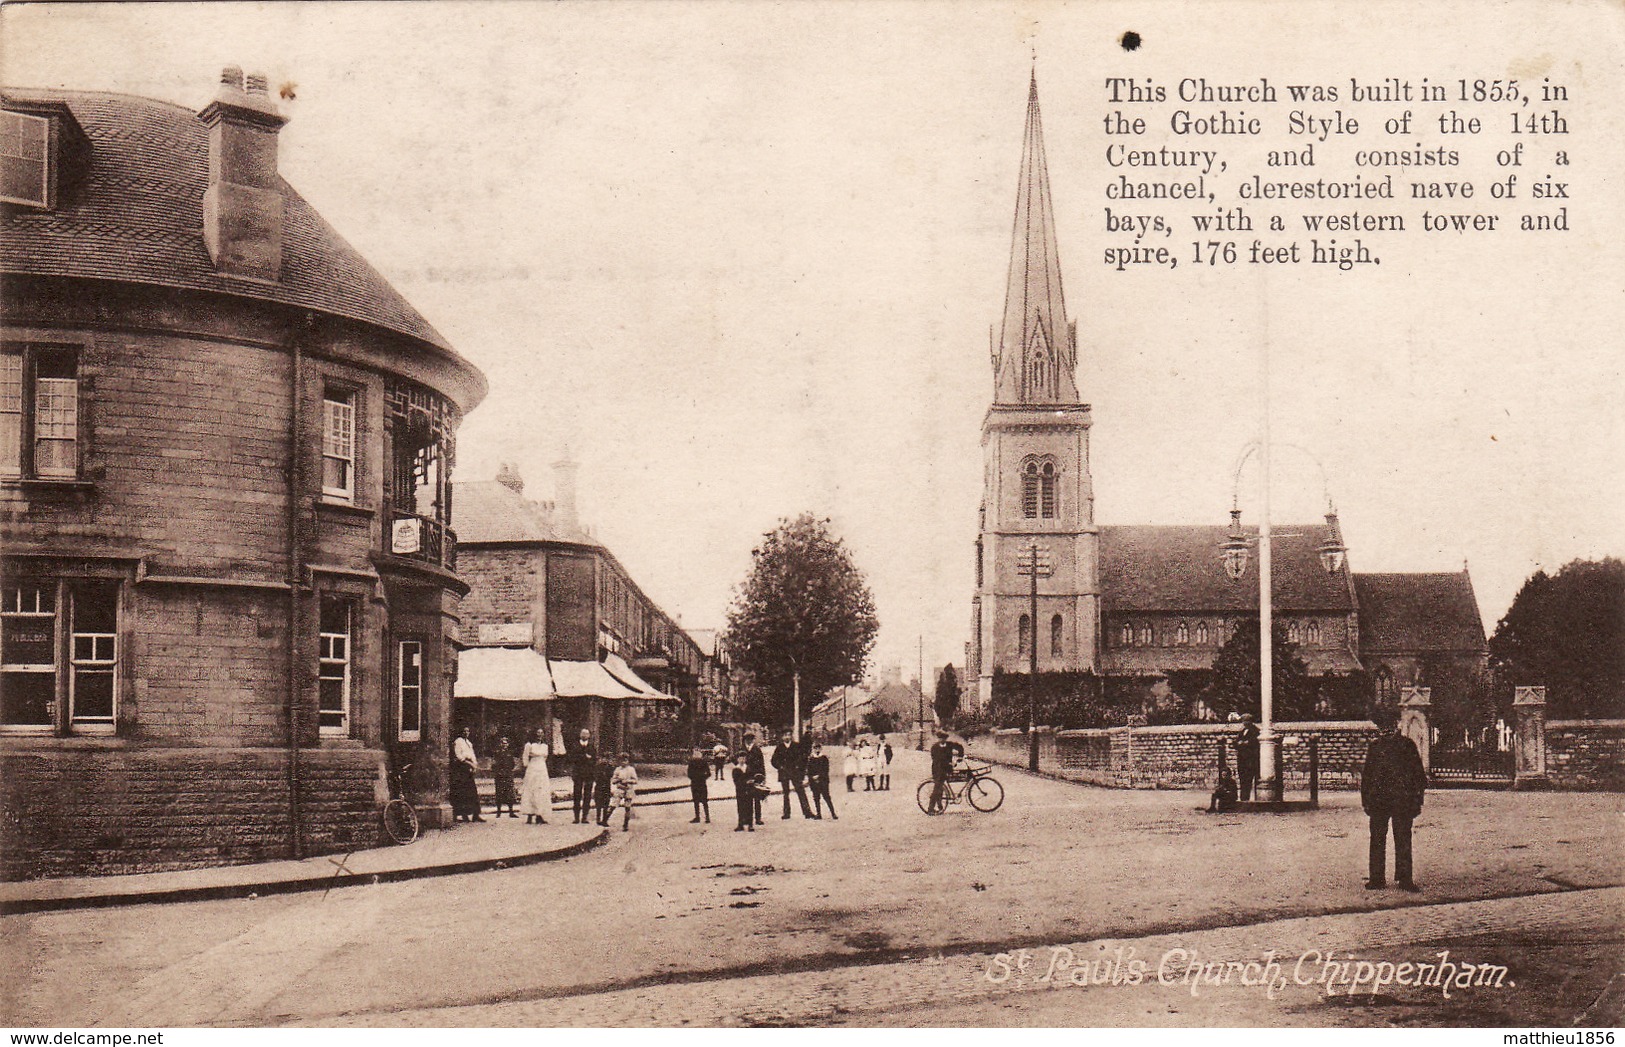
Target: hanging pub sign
(406, 535)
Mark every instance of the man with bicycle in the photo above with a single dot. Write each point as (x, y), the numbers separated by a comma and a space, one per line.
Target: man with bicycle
(945, 755)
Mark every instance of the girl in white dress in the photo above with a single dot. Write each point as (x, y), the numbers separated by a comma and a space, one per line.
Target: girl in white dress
(866, 765)
(536, 794)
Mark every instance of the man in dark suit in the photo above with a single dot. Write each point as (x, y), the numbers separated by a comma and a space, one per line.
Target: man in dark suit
(583, 769)
(790, 760)
(1247, 756)
(755, 767)
(1391, 788)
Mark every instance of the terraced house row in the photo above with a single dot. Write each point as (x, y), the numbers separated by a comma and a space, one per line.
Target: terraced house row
(228, 595)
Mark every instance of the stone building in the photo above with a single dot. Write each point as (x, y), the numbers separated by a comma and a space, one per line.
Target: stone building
(559, 635)
(1147, 601)
(227, 588)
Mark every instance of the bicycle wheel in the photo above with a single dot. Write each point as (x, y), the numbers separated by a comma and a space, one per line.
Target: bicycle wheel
(400, 821)
(986, 794)
(924, 797)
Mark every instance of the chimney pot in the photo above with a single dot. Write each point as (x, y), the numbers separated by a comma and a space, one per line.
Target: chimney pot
(256, 83)
(509, 477)
(232, 76)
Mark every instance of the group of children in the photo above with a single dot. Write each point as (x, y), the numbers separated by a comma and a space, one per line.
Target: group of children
(873, 763)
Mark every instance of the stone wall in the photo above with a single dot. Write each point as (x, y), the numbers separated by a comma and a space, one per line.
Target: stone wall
(146, 809)
(1180, 757)
(1586, 754)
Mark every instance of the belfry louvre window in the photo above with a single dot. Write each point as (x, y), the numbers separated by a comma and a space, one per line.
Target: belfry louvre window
(333, 708)
(25, 159)
(1029, 491)
(338, 444)
(1046, 491)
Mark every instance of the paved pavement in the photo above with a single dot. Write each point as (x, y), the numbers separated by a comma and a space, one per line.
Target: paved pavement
(884, 889)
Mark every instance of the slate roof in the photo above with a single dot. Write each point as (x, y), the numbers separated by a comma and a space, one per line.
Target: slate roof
(1148, 568)
(1419, 612)
(488, 511)
(139, 218)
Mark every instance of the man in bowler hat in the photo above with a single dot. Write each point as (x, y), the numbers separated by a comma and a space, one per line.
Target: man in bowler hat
(1391, 788)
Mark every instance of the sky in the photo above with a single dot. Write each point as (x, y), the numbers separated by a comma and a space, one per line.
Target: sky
(740, 259)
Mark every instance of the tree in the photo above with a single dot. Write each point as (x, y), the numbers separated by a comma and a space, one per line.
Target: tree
(879, 721)
(1564, 631)
(804, 610)
(1235, 675)
(946, 702)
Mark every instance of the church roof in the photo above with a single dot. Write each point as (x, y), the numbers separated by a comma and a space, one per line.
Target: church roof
(489, 511)
(1152, 568)
(1034, 309)
(139, 218)
(1419, 612)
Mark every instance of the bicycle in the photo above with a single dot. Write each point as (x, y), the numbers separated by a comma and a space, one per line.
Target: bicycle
(400, 817)
(973, 783)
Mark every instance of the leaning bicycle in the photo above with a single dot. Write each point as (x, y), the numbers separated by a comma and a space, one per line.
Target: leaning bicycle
(970, 783)
(400, 817)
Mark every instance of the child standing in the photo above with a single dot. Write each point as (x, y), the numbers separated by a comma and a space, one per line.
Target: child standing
(866, 765)
(502, 768)
(818, 781)
(883, 763)
(602, 780)
(623, 785)
(699, 777)
(849, 767)
(744, 796)
(719, 755)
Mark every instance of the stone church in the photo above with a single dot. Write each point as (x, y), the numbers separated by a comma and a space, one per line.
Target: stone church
(1145, 601)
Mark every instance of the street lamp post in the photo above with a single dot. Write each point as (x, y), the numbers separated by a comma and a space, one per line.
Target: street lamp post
(1331, 553)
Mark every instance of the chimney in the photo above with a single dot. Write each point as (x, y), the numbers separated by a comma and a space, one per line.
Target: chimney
(242, 207)
(509, 477)
(564, 492)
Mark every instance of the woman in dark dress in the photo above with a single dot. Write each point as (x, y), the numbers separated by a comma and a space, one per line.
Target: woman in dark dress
(465, 794)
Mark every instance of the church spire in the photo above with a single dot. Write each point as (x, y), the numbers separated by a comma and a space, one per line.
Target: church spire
(1036, 359)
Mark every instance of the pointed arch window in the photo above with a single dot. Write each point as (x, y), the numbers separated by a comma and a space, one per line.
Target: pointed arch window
(1385, 685)
(1057, 626)
(1024, 635)
(1046, 491)
(1029, 490)
(1145, 634)
(1312, 631)
(1125, 635)
(1184, 633)
(1201, 633)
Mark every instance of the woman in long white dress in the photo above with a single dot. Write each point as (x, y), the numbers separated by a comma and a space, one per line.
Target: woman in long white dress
(536, 793)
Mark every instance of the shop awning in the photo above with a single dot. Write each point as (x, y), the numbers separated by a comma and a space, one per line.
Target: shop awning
(621, 671)
(587, 680)
(502, 674)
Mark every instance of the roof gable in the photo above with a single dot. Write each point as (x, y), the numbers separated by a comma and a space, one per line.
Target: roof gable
(1419, 612)
(487, 511)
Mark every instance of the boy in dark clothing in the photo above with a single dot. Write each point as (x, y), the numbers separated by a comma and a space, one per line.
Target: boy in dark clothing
(756, 765)
(502, 768)
(601, 787)
(944, 754)
(818, 782)
(1224, 797)
(744, 796)
(699, 777)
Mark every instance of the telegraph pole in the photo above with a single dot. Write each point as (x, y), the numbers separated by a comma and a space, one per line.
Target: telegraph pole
(1036, 563)
(919, 718)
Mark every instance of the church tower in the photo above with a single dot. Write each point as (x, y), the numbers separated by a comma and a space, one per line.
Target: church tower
(1036, 488)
